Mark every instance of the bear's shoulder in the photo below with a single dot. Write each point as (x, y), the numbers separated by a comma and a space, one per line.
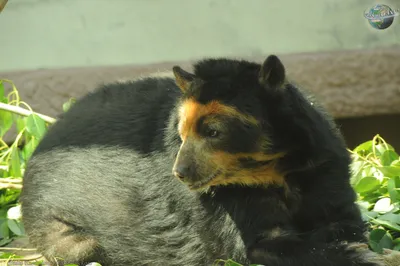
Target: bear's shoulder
(131, 114)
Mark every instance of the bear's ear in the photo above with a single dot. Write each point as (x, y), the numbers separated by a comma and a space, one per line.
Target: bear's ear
(272, 73)
(182, 78)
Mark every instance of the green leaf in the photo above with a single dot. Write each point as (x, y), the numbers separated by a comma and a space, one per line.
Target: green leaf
(357, 168)
(388, 157)
(391, 184)
(380, 239)
(366, 184)
(382, 190)
(20, 122)
(390, 217)
(36, 126)
(6, 122)
(3, 99)
(67, 105)
(364, 147)
(4, 230)
(371, 197)
(368, 216)
(3, 214)
(371, 214)
(387, 224)
(390, 171)
(397, 247)
(5, 241)
(9, 197)
(381, 148)
(29, 148)
(15, 169)
(16, 227)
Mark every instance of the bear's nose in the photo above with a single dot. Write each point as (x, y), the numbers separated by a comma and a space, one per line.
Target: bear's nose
(179, 175)
(182, 172)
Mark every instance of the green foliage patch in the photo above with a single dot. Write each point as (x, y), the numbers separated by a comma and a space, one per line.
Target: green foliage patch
(28, 128)
(376, 179)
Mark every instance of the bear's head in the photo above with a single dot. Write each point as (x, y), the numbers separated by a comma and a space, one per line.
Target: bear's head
(223, 123)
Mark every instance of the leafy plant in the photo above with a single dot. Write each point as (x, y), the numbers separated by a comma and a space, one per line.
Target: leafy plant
(30, 128)
(376, 179)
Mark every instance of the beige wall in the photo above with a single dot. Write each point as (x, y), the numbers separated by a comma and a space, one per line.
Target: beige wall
(67, 33)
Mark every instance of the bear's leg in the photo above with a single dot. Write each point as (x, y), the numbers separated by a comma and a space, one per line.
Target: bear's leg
(62, 243)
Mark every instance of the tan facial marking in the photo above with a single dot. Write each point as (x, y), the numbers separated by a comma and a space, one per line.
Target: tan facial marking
(250, 177)
(190, 112)
(264, 175)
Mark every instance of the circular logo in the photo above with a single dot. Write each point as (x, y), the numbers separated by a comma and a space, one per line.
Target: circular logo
(380, 16)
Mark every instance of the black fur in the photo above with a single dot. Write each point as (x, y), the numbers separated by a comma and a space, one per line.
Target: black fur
(101, 180)
(233, 129)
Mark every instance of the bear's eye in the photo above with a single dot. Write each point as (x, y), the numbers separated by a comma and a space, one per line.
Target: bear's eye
(212, 133)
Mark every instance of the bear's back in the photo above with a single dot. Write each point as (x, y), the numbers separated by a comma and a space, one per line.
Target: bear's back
(130, 114)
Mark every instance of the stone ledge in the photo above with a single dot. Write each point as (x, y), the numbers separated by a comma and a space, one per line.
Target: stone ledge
(349, 83)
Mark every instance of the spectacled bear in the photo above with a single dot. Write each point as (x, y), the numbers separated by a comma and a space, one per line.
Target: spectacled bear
(230, 161)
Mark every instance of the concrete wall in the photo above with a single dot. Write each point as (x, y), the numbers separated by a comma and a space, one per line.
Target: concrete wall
(69, 33)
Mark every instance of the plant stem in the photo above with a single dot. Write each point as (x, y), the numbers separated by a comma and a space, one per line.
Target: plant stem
(10, 186)
(10, 183)
(19, 249)
(11, 180)
(22, 259)
(21, 111)
(364, 158)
